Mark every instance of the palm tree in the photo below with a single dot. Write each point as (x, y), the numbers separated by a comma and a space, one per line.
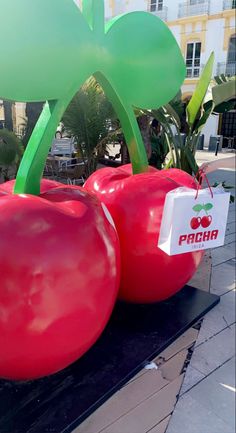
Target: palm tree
(89, 119)
(32, 111)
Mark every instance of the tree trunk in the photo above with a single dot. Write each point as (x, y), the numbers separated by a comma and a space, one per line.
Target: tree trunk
(33, 111)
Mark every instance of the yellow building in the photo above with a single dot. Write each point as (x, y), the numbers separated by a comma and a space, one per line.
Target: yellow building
(18, 116)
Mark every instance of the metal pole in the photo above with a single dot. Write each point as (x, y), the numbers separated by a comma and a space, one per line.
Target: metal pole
(217, 146)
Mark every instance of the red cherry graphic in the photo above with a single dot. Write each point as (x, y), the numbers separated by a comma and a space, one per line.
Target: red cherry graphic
(195, 223)
(206, 221)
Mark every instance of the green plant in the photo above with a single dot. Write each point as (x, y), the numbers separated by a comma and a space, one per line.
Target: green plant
(88, 119)
(211, 96)
(11, 151)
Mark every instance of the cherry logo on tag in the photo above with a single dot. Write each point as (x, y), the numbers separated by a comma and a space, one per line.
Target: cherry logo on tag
(204, 221)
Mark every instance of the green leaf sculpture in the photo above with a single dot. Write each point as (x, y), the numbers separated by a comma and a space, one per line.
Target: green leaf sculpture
(132, 57)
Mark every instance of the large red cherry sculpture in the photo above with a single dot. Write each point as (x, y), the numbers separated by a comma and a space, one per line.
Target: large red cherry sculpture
(59, 278)
(136, 205)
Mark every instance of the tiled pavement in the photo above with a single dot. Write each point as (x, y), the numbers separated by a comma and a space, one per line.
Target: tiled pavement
(207, 391)
(207, 396)
(147, 401)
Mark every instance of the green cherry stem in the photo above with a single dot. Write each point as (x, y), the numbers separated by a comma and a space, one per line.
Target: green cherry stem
(129, 125)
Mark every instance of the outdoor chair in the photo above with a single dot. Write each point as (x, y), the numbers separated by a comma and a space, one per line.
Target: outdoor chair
(73, 173)
(51, 168)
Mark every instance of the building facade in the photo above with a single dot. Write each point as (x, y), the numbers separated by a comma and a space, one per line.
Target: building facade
(200, 27)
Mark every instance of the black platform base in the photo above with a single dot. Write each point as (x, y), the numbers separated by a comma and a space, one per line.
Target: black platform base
(134, 336)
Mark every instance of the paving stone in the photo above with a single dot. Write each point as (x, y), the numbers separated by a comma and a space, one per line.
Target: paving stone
(192, 377)
(161, 427)
(232, 206)
(231, 228)
(218, 396)
(190, 416)
(231, 216)
(222, 254)
(215, 351)
(124, 401)
(201, 278)
(221, 316)
(173, 368)
(149, 413)
(134, 393)
(230, 238)
(226, 373)
(223, 278)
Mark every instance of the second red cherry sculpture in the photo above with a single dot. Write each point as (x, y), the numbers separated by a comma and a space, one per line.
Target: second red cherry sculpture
(136, 205)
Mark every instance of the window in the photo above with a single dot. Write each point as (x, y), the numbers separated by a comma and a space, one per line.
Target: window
(196, 2)
(193, 57)
(231, 57)
(228, 127)
(156, 5)
(232, 50)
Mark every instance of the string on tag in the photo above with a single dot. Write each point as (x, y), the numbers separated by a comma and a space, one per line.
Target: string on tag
(201, 175)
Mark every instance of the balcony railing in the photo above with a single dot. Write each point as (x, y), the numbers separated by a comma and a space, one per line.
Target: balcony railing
(187, 9)
(163, 14)
(229, 4)
(226, 68)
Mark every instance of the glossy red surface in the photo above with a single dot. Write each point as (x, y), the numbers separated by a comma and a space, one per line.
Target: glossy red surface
(60, 266)
(136, 204)
(45, 185)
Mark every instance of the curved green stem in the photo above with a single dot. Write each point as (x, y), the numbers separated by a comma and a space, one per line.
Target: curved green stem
(137, 151)
(33, 162)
